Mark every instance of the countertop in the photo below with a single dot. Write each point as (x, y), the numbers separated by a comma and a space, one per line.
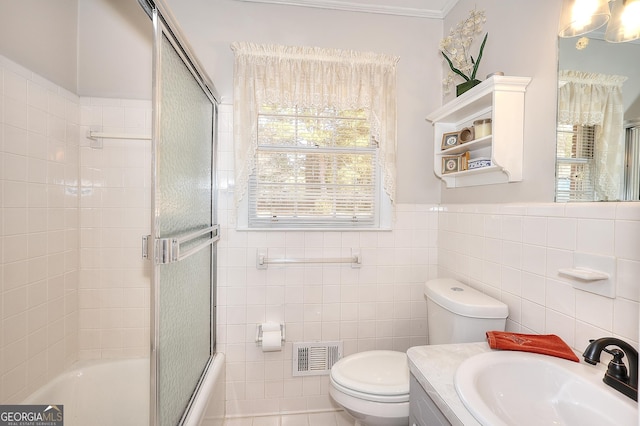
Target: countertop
(434, 367)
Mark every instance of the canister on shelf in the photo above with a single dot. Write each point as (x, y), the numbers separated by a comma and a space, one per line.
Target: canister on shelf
(482, 128)
(465, 135)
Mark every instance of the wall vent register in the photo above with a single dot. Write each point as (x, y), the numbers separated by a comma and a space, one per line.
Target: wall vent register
(315, 358)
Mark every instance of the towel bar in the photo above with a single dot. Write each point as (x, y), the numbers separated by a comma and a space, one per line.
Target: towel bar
(262, 260)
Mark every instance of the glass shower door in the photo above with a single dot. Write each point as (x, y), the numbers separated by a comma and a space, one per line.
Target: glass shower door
(183, 230)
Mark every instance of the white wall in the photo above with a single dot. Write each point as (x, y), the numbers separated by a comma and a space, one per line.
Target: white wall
(523, 42)
(115, 39)
(42, 36)
(210, 28)
(89, 47)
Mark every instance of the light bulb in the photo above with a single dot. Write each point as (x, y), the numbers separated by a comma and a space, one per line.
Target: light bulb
(631, 19)
(625, 21)
(582, 14)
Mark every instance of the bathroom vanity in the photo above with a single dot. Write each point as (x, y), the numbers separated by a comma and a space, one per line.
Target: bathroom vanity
(433, 398)
(490, 382)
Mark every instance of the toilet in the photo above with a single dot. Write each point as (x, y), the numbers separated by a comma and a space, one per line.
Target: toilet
(373, 386)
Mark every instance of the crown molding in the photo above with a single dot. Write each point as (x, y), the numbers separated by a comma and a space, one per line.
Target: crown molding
(365, 7)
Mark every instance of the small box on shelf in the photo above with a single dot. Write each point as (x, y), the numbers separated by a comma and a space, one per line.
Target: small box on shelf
(478, 163)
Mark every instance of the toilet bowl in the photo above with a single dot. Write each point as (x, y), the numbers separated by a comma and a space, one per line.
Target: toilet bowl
(373, 387)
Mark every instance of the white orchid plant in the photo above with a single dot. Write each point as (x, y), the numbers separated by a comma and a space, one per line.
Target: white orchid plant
(456, 48)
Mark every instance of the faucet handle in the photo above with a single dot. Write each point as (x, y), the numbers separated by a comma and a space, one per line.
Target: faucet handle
(616, 367)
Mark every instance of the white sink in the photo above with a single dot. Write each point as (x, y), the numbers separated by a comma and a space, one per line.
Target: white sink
(517, 388)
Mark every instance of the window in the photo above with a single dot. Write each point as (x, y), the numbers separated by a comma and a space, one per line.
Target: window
(314, 134)
(592, 146)
(575, 163)
(314, 167)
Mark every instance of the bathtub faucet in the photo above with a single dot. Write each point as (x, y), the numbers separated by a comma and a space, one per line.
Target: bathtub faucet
(616, 375)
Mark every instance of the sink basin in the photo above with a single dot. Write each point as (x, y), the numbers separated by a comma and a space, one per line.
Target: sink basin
(517, 388)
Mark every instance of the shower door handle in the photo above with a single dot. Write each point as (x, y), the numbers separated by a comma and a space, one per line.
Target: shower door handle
(173, 249)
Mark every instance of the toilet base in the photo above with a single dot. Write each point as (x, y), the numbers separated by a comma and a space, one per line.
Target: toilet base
(368, 413)
(364, 420)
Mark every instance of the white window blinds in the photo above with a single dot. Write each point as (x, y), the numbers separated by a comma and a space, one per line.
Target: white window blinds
(314, 135)
(575, 164)
(314, 168)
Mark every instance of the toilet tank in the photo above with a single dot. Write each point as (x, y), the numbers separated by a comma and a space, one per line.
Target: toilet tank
(457, 313)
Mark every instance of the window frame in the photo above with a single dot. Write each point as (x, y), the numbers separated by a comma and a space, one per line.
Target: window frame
(382, 206)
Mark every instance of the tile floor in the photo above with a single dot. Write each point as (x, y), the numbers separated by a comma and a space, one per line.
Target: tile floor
(333, 418)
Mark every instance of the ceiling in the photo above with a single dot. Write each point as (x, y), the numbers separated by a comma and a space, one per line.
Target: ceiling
(418, 8)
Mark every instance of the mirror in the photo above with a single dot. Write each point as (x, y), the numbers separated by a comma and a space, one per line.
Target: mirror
(598, 162)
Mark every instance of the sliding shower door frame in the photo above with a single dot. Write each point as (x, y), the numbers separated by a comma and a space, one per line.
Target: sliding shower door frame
(164, 26)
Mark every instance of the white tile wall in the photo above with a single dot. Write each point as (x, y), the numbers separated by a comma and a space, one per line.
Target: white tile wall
(115, 212)
(526, 278)
(378, 306)
(38, 230)
(73, 283)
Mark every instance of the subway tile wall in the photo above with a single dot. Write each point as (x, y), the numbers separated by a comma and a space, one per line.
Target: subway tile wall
(378, 306)
(115, 213)
(71, 221)
(38, 230)
(513, 252)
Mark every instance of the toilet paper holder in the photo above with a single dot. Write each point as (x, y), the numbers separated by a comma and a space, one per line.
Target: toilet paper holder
(259, 333)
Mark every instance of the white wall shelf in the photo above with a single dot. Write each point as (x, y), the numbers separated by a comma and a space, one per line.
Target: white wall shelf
(500, 98)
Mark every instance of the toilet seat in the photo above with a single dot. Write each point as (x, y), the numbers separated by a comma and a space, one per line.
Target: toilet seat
(379, 376)
(369, 396)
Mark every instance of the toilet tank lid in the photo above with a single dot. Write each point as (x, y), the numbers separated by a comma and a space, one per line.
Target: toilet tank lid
(463, 300)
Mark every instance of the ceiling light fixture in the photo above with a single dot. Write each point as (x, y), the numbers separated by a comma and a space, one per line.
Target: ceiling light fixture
(625, 21)
(583, 16)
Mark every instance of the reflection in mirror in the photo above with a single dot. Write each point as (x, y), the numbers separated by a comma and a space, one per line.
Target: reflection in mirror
(598, 145)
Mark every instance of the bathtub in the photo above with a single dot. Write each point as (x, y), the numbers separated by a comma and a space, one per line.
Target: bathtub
(116, 392)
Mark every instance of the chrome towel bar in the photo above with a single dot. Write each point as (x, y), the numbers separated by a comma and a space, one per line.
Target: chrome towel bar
(262, 260)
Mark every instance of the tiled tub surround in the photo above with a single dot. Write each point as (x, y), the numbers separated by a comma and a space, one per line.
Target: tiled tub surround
(72, 281)
(115, 213)
(38, 230)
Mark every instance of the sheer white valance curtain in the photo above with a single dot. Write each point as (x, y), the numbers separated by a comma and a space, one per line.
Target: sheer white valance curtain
(592, 99)
(312, 77)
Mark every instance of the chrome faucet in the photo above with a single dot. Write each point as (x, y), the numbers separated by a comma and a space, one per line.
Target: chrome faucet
(616, 375)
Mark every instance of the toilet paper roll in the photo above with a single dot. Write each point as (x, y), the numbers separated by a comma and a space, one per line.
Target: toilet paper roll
(271, 337)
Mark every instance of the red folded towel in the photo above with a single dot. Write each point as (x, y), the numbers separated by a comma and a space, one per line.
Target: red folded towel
(546, 344)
